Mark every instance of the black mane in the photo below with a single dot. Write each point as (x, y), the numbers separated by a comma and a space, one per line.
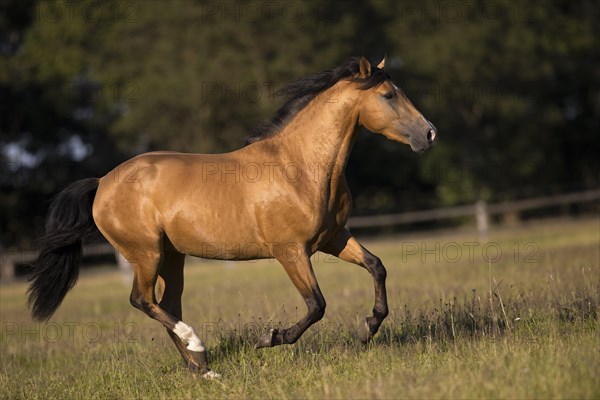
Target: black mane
(300, 92)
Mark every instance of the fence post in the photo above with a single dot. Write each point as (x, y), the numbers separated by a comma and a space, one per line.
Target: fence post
(481, 216)
(124, 267)
(122, 262)
(7, 265)
(7, 270)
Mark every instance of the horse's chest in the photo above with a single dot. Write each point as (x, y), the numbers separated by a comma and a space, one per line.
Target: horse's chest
(335, 212)
(341, 206)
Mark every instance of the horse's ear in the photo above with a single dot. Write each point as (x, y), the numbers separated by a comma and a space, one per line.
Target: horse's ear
(364, 68)
(381, 65)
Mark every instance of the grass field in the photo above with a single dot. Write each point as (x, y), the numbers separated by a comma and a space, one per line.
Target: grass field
(514, 318)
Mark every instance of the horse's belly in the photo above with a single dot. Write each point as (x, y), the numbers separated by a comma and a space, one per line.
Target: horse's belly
(230, 251)
(217, 235)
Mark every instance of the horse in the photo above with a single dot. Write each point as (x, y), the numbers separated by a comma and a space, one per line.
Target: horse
(283, 195)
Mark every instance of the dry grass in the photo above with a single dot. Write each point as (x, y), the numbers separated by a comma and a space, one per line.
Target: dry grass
(523, 325)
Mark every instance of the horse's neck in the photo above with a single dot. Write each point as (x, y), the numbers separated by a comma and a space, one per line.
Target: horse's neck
(319, 139)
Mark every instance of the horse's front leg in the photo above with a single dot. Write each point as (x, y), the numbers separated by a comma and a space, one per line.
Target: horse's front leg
(347, 248)
(299, 269)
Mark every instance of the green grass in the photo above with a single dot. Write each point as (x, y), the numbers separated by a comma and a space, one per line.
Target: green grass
(524, 325)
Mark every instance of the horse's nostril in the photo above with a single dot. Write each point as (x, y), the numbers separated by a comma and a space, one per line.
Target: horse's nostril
(431, 136)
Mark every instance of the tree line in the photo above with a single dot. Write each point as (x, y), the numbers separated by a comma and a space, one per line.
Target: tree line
(512, 87)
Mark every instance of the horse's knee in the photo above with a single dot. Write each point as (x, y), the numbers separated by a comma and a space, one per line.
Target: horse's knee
(377, 269)
(380, 274)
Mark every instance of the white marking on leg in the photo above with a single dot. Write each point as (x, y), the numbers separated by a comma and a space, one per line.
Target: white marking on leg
(210, 375)
(187, 334)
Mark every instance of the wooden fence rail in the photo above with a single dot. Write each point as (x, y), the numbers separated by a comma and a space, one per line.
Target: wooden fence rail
(480, 210)
(473, 210)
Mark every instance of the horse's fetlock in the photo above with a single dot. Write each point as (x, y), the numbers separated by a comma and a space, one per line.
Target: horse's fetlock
(319, 310)
(381, 313)
(289, 337)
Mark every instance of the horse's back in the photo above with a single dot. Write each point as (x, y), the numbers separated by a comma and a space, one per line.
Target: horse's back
(201, 201)
(182, 196)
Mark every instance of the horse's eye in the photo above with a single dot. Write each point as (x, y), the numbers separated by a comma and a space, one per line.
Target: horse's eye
(389, 95)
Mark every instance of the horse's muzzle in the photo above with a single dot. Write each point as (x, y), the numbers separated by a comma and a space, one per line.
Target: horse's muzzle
(420, 143)
(431, 134)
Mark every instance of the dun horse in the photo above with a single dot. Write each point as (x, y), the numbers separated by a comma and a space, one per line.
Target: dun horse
(282, 196)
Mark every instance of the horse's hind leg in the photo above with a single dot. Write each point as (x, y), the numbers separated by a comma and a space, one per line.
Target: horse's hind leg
(171, 273)
(146, 268)
(299, 269)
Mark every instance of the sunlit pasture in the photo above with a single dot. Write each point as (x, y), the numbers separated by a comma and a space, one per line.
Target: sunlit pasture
(513, 317)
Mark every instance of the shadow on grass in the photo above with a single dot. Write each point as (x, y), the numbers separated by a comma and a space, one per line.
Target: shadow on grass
(471, 317)
(489, 317)
(321, 337)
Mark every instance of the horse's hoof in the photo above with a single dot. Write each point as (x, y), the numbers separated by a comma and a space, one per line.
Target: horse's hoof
(211, 375)
(267, 340)
(364, 333)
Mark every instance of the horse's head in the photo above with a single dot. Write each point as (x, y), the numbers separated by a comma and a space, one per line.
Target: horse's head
(385, 109)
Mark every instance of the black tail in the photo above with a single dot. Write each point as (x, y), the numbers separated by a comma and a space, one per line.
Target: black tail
(57, 267)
